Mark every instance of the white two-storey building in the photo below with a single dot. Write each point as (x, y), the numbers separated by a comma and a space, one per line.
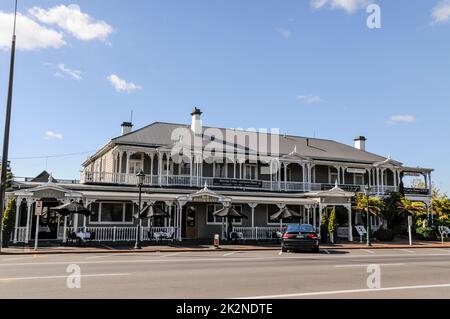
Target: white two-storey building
(192, 171)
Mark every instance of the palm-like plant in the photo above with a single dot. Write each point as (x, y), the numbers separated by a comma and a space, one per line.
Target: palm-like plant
(360, 204)
(416, 209)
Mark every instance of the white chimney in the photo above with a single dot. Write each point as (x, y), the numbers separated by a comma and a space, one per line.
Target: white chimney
(360, 143)
(196, 125)
(127, 127)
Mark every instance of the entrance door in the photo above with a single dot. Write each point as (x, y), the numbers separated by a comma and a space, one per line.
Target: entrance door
(191, 222)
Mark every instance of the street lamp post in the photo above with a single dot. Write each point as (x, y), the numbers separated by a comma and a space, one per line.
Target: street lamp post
(366, 192)
(140, 178)
(4, 159)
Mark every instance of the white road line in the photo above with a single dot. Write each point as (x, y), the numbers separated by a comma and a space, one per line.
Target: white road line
(229, 254)
(365, 265)
(19, 258)
(368, 251)
(407, 251)
(340, 292)
(442, 249)
(98, 257)
(172, 255)
(245, 259)
(59, 277)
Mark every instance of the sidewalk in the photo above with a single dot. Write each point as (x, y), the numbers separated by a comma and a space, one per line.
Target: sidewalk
(206, 248)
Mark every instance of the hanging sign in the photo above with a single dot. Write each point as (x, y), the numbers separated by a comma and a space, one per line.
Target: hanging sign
(361, 230)
(356, 170)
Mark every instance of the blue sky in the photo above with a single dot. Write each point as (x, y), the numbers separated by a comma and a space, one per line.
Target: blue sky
(310, 68)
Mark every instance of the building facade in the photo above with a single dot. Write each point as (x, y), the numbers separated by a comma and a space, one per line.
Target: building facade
(191, 171)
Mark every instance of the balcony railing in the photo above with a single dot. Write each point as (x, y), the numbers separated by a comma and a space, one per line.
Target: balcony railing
(223, 183)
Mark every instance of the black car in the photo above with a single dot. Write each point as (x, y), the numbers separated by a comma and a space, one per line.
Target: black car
(300, 237)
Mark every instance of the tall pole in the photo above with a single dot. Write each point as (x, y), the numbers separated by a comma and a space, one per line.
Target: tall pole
(138, 227)
(7, 129)
(369, 243)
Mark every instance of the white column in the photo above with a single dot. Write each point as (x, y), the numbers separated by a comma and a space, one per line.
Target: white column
(152, 156)
(160, 156)
(120, 162)
(315, 218)
(65, 230)
(28, 231)
(378, 179)
(350, 224)
(16, 224)
(168, 167)
(320, 220)
(285, 176)
(253, 206)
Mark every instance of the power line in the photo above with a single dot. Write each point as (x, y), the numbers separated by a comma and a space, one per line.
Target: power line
(51, 156)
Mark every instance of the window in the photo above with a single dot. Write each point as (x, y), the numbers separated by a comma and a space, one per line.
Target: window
(185, 169)
(112, 213)
(211, 219)
(250, 172)
(220, 170)
(359, 179)
(334, 176)
(135, 166)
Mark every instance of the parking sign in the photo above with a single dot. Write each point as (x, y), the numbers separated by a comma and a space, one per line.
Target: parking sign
(39, 208)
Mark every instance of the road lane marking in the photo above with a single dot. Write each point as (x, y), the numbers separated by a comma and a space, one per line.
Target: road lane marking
(442, 249)
(19, 258)
(229, 254)
(340, 292)
(365, 265)
(214, 259)
(171, 255)
(407, 251)
(60, 277)
(368, 251)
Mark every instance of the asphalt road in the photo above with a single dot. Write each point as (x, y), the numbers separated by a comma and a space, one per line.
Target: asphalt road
(415, 273)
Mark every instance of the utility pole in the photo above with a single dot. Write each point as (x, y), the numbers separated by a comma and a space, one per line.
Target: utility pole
(7, 128)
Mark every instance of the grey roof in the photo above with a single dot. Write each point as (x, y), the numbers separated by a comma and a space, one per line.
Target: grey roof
(159, 134)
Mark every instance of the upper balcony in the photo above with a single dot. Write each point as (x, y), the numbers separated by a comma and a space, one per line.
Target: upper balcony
(180, 181)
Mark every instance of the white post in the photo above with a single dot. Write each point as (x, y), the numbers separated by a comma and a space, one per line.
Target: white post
(18, 205)
(114, 233)
(65, 230)
(253, 206)
(29, 204)
(84, 223)
(350, 225)
(36, 237)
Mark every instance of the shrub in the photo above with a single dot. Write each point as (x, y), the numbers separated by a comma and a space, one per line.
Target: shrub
(385, 235)
(426, 233)
(8, 221)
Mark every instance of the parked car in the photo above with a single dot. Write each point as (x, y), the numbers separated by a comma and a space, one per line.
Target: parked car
(300, 237)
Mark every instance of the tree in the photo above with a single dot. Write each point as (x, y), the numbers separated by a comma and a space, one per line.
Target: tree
(441, 207)
(390, 212)
(410, 208)
(8, 221)
(360, 204)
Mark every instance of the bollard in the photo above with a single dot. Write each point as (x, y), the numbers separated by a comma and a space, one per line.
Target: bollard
(217, 241)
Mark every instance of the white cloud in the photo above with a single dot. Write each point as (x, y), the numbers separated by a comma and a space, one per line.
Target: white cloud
(50, 135)
(122, 85)
(441, 12)
(284, 33)
(348, 5)
(77, 75)
(73, 20)
(309, 99)
(30, 35)
(396, 119)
